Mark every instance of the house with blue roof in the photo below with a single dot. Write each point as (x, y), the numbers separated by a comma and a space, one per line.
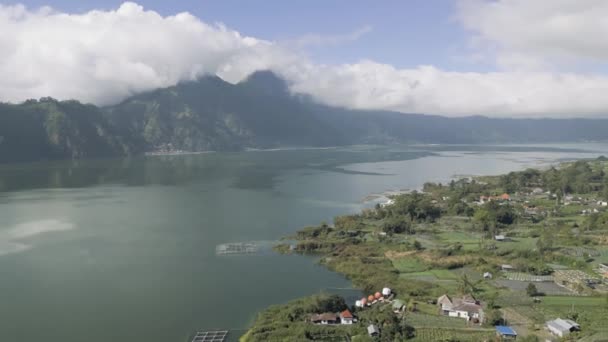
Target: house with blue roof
(505, 333)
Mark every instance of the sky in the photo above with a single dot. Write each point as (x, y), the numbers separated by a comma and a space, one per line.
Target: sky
(498, 58)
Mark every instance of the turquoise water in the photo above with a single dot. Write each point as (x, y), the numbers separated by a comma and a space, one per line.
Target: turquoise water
(124, 250)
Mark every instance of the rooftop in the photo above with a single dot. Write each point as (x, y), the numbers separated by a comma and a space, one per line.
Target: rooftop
(505, 330)
(563, 324)
(328, 316)
(346, 314)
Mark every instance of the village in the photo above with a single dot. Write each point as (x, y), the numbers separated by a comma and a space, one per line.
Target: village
(521, 256)
(464, 307)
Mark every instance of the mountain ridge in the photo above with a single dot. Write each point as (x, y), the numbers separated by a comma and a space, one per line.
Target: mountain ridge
(259, 112)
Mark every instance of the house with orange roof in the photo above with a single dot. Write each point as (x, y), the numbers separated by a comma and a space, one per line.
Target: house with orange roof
(346, 317)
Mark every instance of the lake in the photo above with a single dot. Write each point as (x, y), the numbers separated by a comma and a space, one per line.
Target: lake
(124, 249)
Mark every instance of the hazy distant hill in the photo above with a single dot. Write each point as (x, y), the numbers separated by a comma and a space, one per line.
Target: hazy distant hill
(211, 114)
(49, 129)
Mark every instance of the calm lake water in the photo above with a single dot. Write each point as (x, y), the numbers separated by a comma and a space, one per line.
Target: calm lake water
(124, 250)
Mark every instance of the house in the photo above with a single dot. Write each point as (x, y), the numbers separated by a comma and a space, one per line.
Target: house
(387, 203)
(562, 327)
(487, 275)
(346, 317)
(386, 292)
(465, 307)
(325, 318)
(602, 203)
(505, 333)
(537, 191)
(505, 197)
(506, 267)
(372, 330)
(398, 306)
(500, 238)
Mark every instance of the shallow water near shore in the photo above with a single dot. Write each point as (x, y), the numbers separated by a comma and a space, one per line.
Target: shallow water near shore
(125, 249)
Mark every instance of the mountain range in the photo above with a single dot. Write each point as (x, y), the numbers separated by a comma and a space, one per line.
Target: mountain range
(259, 112)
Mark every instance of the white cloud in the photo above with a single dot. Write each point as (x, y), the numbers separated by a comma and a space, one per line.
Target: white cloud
(105, 56)
(315, 39)
(102, 56)
(426, 89)
(539, 33)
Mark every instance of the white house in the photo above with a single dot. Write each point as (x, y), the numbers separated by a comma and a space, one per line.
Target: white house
(562, 327)
(602, 203)
(466, 307)
(506, 267)
(387, 203)
(346, 317)
(537, 191)
(372, 330)
(325, 318)
(500, 238)
(487, 275)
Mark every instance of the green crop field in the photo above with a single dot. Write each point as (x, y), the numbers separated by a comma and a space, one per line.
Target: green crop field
(440, 334)
(517, 244)
(437, 274)
(409, 265)
(431, 321)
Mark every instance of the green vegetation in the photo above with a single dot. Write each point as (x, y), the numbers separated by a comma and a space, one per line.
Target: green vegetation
(211, 114)
(444, 241)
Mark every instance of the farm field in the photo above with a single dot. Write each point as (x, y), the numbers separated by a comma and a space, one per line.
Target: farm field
(441, 334)
(442, 242)
(546, 287)
(426, 320)
(435, 274)
(517, 244)
(409, 265)
(519, 276)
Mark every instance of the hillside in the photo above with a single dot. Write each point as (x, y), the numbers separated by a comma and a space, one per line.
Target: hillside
(211, 114)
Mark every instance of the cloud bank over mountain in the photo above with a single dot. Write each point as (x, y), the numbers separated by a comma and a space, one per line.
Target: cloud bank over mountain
(102, 57)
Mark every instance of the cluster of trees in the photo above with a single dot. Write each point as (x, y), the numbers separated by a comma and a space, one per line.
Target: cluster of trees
(491, 215)
(579, 177)
(457, 190)
(416, 207)
(397, 225)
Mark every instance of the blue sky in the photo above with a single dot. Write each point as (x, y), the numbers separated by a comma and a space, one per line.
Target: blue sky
(403, 33)
(501, 58)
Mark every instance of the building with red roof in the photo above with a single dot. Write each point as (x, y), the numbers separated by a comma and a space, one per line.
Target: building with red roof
(346, 317)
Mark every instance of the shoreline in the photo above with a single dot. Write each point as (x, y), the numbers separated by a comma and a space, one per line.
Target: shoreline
(389, 194)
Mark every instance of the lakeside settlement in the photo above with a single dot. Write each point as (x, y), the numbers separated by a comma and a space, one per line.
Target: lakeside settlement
(522, 256)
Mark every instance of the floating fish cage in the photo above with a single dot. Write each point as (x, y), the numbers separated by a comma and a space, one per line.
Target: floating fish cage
(236, 248)
(210, 336)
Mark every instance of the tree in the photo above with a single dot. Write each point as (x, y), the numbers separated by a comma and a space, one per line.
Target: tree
(485, 218)
(412, 305)
(332, 303)
(397, 225)
(545, 242)
(531, 290)
(467, 286)
(494, 318)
